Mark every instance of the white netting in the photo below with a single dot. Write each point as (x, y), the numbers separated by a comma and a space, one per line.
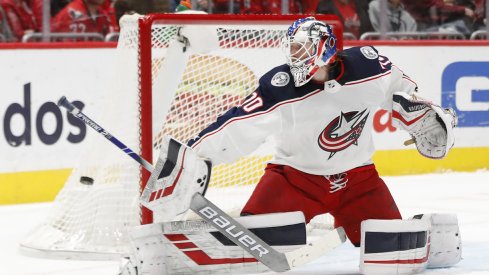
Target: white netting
(90, 220)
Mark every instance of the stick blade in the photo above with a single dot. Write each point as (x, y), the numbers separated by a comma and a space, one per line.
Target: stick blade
(313, 250)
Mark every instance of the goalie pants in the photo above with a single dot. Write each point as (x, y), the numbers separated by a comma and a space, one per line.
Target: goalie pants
(350, 197)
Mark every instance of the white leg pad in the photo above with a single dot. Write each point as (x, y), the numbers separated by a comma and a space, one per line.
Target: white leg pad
(394, 246)
(446, 242)
(195, 247)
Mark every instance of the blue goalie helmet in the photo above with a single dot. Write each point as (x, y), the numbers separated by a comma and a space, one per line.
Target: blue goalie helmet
(308, 45)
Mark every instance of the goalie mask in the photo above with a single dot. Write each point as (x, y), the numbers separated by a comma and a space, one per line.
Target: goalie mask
(309, 44)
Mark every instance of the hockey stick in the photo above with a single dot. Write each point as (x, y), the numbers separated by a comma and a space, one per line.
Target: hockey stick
(63, 102)
(227, 225)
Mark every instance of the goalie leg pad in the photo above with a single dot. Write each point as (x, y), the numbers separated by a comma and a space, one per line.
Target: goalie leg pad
(394, 246)
(430, 125)
(195, 247)
(446, 242)
(178, 174)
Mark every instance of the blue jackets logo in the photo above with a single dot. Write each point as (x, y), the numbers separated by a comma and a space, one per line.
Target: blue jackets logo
(342, 132)
(465, 88)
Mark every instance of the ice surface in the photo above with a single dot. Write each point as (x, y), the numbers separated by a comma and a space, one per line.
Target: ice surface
(466, 194)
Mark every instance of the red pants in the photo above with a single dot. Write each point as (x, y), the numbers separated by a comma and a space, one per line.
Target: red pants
(350, 197)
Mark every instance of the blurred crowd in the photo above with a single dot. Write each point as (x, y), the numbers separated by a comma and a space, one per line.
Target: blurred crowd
(19, 19)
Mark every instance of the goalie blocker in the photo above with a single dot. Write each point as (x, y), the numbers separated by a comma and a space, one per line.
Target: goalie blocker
(410, 246)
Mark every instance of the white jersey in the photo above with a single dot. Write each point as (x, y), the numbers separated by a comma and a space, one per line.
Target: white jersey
(319, 128)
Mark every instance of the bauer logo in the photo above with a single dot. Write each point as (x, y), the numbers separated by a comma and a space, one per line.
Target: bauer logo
(465, 88)
(232, 231)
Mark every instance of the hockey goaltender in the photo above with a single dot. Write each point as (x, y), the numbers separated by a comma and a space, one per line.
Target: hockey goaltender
(318, 107)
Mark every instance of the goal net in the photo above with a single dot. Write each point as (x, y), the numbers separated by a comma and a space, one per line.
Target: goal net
(176, 74)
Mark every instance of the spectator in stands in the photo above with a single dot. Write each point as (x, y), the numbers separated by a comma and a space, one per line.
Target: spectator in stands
(309, 6)
(399, 20)
(83, 16)
(466, 24)
(122, 7)
(268, 6)
(55, 7)
(19, 18)
(480, 12)
(353, 14)
(5, 31)
(430, 13)
(159, 6)
(37, 9)
(217, 6)
(450, 21)
(109, 9)
(257, 6)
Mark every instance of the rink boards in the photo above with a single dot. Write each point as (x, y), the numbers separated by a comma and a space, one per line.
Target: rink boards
(40, 144)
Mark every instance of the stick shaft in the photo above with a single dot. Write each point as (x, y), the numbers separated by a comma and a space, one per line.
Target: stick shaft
(63, 102)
